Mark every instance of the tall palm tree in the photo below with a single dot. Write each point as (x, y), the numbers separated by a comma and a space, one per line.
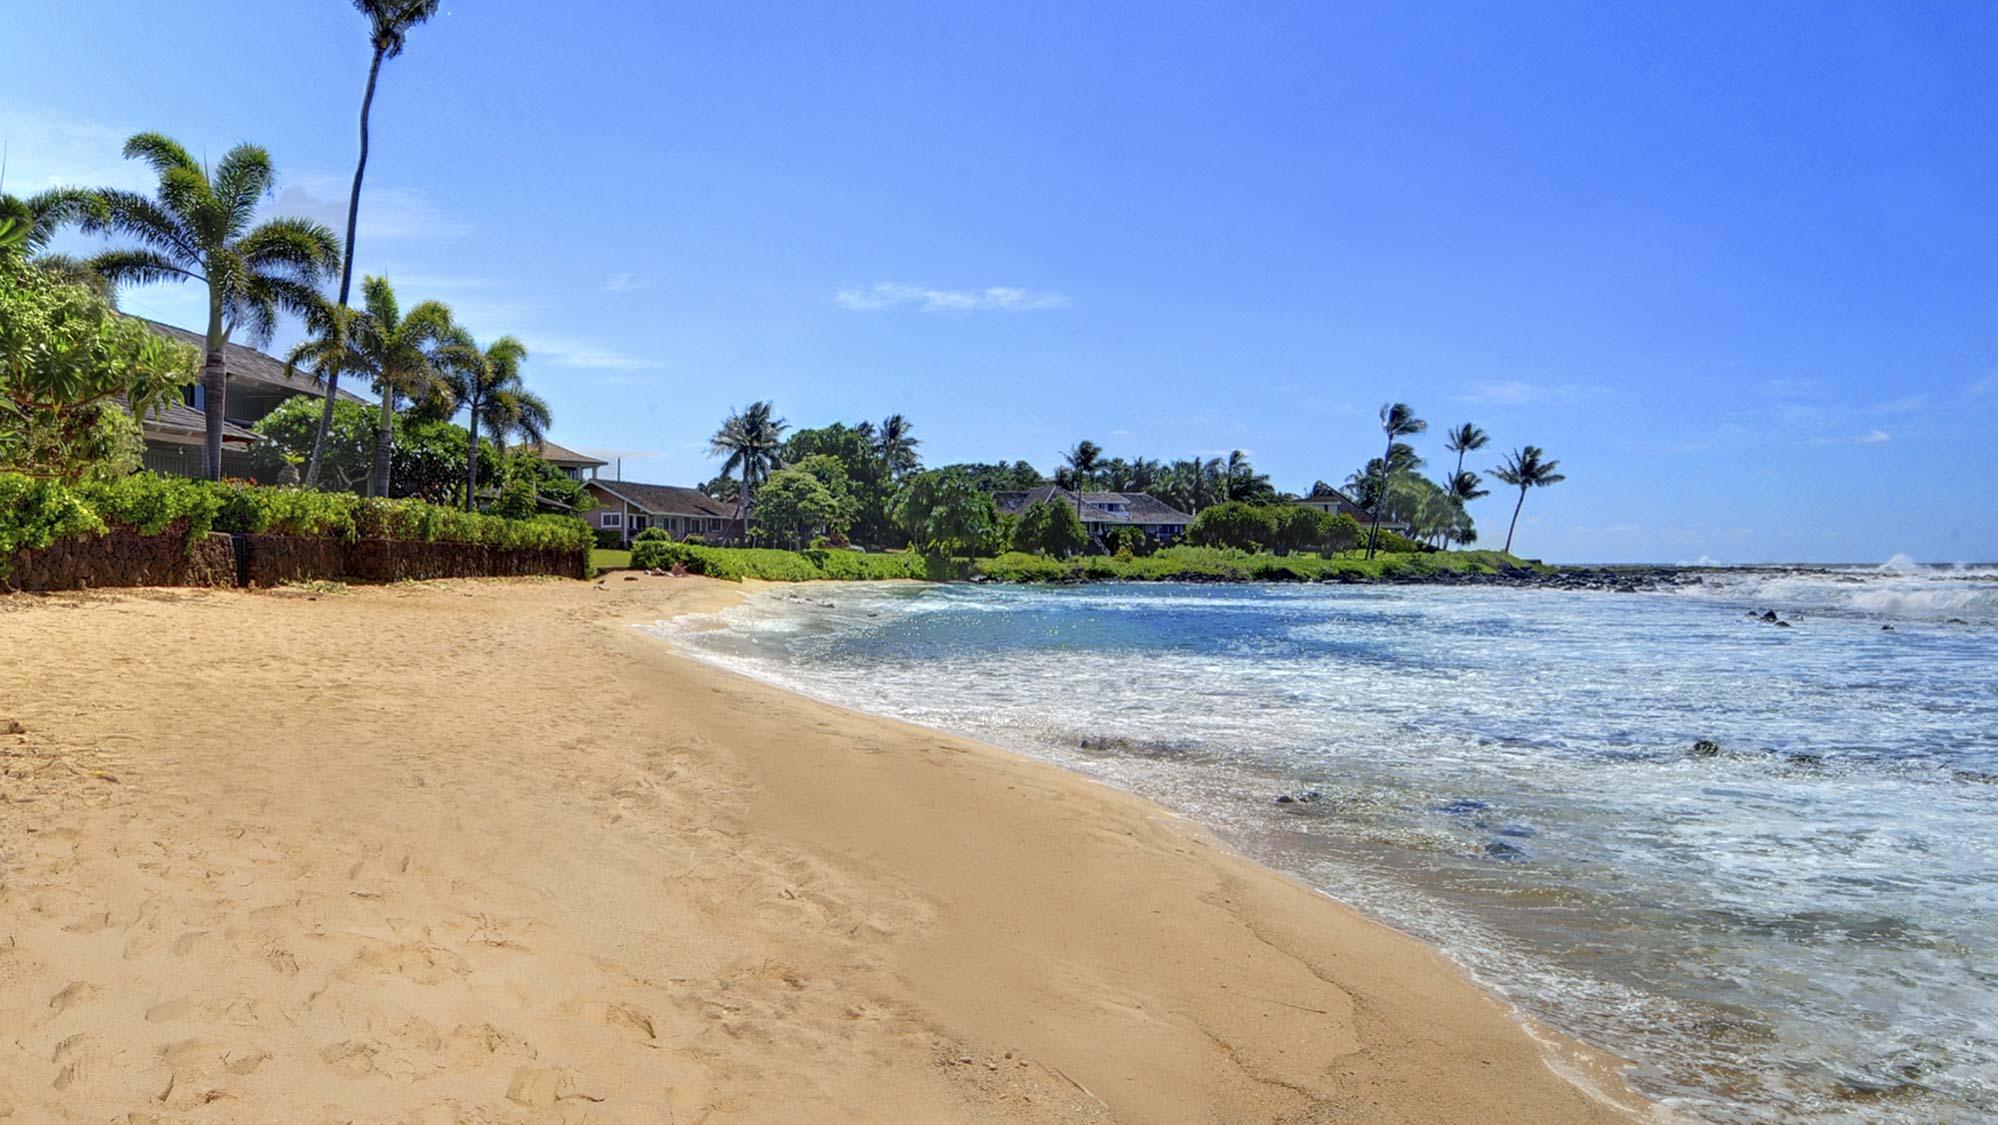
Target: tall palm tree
(389, 22)
(1238, 467)
(896, 447)
(199, 229)
(1083, 459)
(1464, 439)
(1398, 420)
(1524, 469)
(486, 382)
(751, 440)
(402, 353)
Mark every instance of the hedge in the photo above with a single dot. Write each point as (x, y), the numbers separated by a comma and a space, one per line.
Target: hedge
(35, 513)
(654, 548)
(1225, 564)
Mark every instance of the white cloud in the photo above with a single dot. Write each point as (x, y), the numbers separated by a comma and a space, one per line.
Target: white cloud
(1983, 387)
(626, 283)
(1517, 392)
(389, 214)
(999, 298)
(1870, 437)
(585, 354)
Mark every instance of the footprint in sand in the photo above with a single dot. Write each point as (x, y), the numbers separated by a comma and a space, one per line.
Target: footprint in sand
(79, 992)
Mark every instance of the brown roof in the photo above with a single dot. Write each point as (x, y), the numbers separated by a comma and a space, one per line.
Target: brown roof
(1139, 507)
(664, 499)
(1338, 503)
(562, 455)
(251, 364)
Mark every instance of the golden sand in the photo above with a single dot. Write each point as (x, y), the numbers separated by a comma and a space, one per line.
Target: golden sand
(479, 852)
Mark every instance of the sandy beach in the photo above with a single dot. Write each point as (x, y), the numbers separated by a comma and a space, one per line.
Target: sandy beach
(477, 851)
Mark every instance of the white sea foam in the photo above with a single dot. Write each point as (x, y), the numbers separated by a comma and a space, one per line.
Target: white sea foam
(1506, 772)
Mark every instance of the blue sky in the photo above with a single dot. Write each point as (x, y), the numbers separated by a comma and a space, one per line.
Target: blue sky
(1735, 266)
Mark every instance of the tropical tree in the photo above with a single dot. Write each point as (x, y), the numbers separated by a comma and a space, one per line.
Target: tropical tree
(1465, 439)
(199, 228)
(947, 515)
(751, 440)
(1050, 527)
(1083, 459)
(487, 383)
(1245, 527)
(1467, 485)
(389, 22)
(1398, 420)
(1524, 469)
(28, 225)
(896, 447)
(799, 503)
(405, 354)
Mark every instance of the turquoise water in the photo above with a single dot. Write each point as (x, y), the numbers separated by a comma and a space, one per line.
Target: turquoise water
(1802, 923)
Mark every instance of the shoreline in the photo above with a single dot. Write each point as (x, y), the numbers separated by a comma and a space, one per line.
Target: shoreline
(527, 861)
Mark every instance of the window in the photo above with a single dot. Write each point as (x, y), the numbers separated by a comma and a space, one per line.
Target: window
(639, 523)
(613, 519)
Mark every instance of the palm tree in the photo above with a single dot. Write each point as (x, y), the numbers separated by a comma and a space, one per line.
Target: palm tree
(1082, 461)
(895, 445)
(28, 225)
(1397, 420)
(198, 229)
(750, 440)
(389, 22)
(1465, 485)
(486, 382)
(1525, 469)
(1464, 439)
(402, 353)
(1238, 466)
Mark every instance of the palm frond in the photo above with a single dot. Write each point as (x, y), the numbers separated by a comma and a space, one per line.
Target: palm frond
(306, 247)
(136, 267)
(141, 217)
(159, 150)
(242, 179)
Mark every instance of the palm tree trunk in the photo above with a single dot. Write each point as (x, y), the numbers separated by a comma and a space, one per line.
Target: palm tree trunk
(384, 438)
(214, 389)
(1515, 519)
(472, 458)
(346, 274)
(1380, 496)
(742, 504)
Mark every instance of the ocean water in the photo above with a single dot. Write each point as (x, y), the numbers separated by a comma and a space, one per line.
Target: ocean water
(1798, 922)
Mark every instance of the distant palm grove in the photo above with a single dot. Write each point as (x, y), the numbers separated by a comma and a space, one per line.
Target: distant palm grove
(452, 419)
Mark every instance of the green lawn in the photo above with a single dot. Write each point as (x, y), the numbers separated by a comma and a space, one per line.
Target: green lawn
(609, 560)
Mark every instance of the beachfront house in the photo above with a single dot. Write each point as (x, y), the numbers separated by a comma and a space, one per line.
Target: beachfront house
(258, 384)
(1334, 502)
(625, 508)
(1102, 511)
(576, 466)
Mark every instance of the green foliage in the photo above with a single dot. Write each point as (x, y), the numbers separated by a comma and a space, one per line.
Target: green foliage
(1221, 564)
(945, 514)
(1001, 477)
(35, 513)
(796, 502)
(71, 369)
(733, 564)
(1050, 527)
(1130, 542)
(1297, 528)
(1236, 524)
(869, 477)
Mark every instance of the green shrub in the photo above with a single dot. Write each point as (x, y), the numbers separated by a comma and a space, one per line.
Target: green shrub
(149, 504)
(1234, 524)
(1021, 566)
(609, 539)
(1050, 527)
(36, 513)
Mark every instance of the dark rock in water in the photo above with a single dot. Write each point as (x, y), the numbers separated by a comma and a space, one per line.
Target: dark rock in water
(1978, 777)
(1706, 748)
(1303, 797)
(1782, 624)
(1807, 761)
(1886, 628)
(1462, 807)
(1956, 621)
(1517, 831)
(1769, 616)
(1511, 853)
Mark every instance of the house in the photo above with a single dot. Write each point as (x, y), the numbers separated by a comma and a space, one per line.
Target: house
(628, 507)
(1102, 511)
(258, 385)
(1333, 502)
(577, 466)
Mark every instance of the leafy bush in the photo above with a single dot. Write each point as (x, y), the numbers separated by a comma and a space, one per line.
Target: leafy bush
(1022, 566)
(946, 514)
(609, 539)
(1127, 541)
(36, 513)
(1233, 524)
(1050, 527)
(149, 504)
(737, 563)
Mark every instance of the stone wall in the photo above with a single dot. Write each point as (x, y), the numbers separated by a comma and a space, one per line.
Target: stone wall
(126, 558)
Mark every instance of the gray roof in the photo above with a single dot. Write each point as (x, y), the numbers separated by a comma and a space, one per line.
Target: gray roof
(1341, 504)
(1139, 507)
(251, 364)
(178, 418)
(665, 499)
